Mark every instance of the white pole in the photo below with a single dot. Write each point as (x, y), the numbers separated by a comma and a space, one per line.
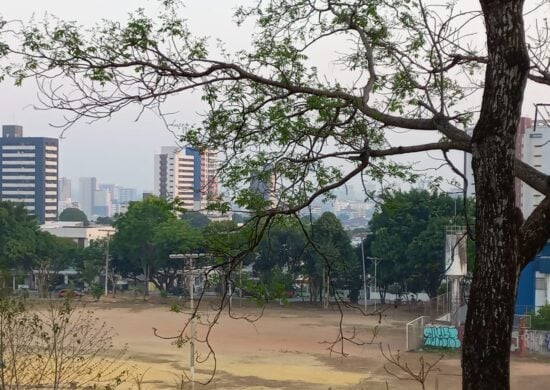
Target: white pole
(375, 284)
(229, 286)
(364, 273)
(192, 344)
(376, 260)
(107, 267)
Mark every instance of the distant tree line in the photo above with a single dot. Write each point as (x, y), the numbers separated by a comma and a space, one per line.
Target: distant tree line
(295, 256)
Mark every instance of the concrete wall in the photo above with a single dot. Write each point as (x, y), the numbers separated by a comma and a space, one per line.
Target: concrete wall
(538, 341)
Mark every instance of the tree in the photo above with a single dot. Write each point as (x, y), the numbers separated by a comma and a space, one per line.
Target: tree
(57, 346)
(133, 247)
(409, 66)
(172, 236)
(18, 237)
(409, 237)
(75, 215)
(52, 254)
(335, 260)
(280, 256)
(104, 221)
(146, 235)
(195, 219)
(90, 261)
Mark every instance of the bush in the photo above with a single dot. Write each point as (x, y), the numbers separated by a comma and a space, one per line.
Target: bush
(97, 291)
(55, 347)
(541, 319)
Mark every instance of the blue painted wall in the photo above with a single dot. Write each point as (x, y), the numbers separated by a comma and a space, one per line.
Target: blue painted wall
(525, 296)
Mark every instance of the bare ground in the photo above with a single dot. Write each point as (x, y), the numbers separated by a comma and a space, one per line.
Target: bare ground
(286, 349)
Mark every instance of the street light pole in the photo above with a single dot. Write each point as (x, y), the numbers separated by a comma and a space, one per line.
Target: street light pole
(107, 267)
(190, 257)
(107, 259)
(364, 271)
(375, 260)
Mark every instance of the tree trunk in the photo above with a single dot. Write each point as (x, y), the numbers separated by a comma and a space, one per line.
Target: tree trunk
(486, 349)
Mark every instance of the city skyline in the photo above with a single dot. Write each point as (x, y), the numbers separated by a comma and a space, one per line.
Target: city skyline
(128, 140)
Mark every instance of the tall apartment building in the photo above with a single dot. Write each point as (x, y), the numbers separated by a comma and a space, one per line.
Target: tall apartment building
(186, 174)
(535, 151)
(127, 195)
(65, 193)
(264, 183)
(87, 189)
(29, 172)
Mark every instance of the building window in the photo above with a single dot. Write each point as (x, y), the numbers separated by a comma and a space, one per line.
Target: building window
(540, 283)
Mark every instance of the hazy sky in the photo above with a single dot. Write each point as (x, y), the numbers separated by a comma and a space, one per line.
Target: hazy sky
(121, 150)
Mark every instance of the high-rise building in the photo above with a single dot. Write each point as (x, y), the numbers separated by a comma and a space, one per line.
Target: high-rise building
(186, 174)
(87, 189)
(126, 195)
(102, 203)
(29, 172)
(164, 172)
(263, 183)
(535, 151)
(64, 187)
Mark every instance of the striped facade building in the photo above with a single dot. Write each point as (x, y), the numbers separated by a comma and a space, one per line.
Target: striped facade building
(186, 174)
(29, 172)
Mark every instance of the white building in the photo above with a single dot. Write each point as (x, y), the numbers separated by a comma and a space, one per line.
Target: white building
(186, 174)
(535, 151)
(82, 235)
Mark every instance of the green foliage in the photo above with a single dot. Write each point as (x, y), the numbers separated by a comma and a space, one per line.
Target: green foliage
(541, 319)
(195, 219)
(291, 248)
(105, 221)
(97, 291)
(55, 345)
(146, 236)
(409, 237)
(75, 215)
(18, 237)
(90, 261)
(24, 247)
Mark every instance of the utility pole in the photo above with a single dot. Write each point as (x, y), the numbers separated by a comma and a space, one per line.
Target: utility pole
(107, 259)
(190, 257)
(107, 267)
(364, 271)
(375, 260)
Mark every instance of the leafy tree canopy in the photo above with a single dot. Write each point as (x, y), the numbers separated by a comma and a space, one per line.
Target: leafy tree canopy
(407, 64)
(74, 214)
(195, 219)
(409, 236)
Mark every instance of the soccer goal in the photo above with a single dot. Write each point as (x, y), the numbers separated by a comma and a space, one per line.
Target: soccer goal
(415, 333)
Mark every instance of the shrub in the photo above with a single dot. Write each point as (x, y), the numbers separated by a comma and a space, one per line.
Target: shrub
(541, 319)
(56, 347)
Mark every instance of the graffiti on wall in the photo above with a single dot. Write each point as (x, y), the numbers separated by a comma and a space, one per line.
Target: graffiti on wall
(441, 337)
(537, 341)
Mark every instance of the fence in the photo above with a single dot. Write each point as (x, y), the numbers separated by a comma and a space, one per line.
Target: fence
(438, 306)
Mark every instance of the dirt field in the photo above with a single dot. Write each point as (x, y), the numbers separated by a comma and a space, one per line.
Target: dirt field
(285, 349)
